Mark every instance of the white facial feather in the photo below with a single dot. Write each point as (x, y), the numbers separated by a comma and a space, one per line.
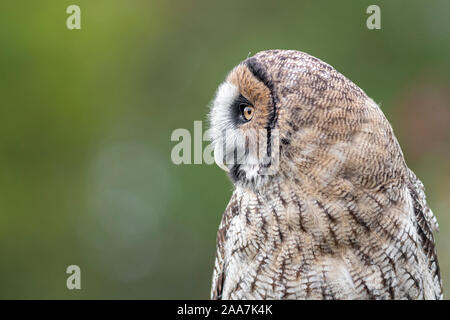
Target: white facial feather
(219, 116)
(221, 123)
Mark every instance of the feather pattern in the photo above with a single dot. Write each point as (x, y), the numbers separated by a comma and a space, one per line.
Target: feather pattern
(342, 216)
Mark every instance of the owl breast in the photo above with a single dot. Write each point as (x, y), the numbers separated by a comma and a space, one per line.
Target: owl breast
(290, 247)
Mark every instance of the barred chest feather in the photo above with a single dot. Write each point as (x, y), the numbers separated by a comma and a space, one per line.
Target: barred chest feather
(288, 244)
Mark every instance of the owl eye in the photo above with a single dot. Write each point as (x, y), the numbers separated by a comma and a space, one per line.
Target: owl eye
(247, 112)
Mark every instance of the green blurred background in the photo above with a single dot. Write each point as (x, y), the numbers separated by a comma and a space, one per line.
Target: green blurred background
(86, 118)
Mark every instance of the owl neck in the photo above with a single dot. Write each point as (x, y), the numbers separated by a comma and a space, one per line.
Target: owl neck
(295, 212)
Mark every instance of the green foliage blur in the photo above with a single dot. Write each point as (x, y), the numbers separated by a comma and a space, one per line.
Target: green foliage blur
(86, 118)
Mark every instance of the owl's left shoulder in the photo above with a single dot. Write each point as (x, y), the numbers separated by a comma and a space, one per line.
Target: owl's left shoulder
(426, 224)
(425, 217)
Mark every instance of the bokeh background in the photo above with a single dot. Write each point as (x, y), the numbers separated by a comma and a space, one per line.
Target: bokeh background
(86, 117)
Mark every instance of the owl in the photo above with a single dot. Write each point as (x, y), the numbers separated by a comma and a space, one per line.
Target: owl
(324, 205)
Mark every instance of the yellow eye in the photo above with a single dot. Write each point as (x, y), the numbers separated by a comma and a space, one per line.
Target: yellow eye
(247, 113)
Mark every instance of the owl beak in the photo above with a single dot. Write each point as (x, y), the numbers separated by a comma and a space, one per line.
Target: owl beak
(223, 167)
(218, 159)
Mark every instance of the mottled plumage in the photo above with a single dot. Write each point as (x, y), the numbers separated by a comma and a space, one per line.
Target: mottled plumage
(341, 216)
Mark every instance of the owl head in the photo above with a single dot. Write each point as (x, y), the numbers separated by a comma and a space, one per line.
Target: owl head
(283, 114)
